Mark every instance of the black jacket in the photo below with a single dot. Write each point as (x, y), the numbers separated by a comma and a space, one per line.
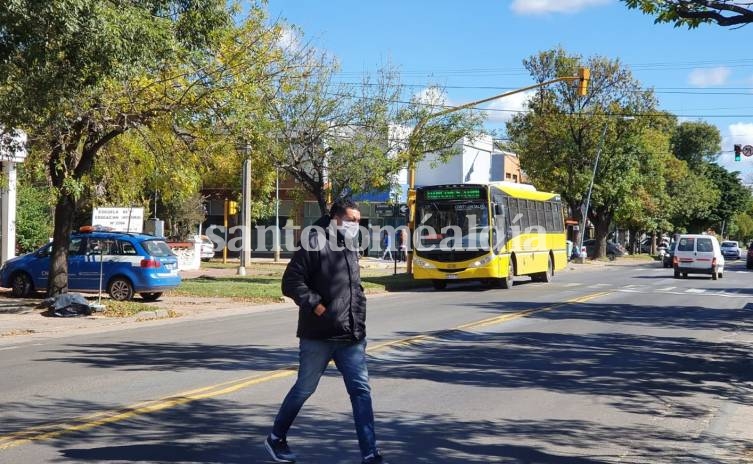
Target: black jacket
(329, 277)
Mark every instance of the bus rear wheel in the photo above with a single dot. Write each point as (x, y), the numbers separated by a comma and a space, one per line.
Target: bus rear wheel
(507, 281)
(545, 276)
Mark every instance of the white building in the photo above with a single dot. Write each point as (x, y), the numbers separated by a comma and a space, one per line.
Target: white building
(473, 164)
(12, 152)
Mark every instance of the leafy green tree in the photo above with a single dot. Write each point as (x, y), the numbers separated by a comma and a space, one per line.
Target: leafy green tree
(80, 73)
(339, 138)
(744, 227)
(559, 139)
(697, 143)
(692, 13)
(647, 209)
(692, 198)
(33, 228)
(734, 197)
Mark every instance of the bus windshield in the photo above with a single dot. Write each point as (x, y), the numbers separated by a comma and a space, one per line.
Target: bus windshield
(453, 225)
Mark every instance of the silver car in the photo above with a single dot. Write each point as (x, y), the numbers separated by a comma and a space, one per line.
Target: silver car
(731, 250)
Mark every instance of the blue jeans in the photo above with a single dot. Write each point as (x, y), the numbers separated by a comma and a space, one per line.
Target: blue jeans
(350, 359)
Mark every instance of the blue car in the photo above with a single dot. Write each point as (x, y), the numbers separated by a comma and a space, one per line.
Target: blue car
(119, 263)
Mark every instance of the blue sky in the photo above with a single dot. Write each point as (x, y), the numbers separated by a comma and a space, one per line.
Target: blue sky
(475, 49)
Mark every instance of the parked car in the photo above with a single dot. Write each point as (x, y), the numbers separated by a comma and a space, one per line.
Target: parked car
(731, 250)
(207, 248)
(613, 250)
(668, 255)
(698, 254)
(119, 263)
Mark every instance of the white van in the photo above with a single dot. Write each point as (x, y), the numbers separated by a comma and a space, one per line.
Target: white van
(698, 254)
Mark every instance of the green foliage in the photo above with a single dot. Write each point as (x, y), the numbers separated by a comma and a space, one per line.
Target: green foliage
(743, 227)
(559, 139)
(693, 13)
(33, 228)
(734, 197)
(184, 217)
(339, 138)
(697, 143)
(78, 74)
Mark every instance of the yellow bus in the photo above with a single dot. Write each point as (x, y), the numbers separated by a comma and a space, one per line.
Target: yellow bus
(487, 232)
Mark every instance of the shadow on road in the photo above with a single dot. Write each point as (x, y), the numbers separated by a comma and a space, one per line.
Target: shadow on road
(672, 362)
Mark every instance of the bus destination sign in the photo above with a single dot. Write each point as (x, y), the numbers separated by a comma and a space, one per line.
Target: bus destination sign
(453, 194)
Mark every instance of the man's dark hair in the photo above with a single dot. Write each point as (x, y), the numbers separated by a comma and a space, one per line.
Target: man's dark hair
(340, 205)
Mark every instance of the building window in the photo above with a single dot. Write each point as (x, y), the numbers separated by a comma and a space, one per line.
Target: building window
(508, 176)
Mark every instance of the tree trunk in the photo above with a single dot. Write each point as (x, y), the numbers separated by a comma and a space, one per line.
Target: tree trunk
(61, 237)
(322, 202)
(601, 219)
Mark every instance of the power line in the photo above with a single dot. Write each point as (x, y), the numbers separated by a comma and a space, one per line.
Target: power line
(441, 106)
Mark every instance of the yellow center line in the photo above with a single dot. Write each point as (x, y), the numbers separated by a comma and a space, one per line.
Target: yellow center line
(90, 421)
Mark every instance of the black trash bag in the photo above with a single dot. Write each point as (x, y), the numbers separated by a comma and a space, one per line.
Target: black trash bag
(68, 305)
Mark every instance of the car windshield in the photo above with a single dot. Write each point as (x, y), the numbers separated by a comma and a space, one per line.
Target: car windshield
(729, 244)
(157, 248)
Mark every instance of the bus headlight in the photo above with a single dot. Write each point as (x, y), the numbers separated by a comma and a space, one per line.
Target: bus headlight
(423, 263)
(483, 261)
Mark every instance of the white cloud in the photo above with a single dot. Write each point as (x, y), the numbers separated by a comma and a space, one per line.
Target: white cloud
(536, 7)
(290, 39)
(432, 96)
(503, 109)
(707, 77)
(739, 133)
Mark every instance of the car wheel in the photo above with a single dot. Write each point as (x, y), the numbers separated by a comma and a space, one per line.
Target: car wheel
(151, 296)
(439, 284)
(611, 256)
(120, 289)
(507, 282)
(684, 275)
(21, 285)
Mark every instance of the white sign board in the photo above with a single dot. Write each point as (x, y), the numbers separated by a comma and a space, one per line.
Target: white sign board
(120, 219)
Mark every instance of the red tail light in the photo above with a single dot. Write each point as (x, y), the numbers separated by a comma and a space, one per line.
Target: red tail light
(713, 262)
(150, 263)
(675, 260)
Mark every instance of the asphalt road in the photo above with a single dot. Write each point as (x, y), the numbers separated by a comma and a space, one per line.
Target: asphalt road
(617, 364)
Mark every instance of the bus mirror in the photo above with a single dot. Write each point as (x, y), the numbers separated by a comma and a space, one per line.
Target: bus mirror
(498, 209)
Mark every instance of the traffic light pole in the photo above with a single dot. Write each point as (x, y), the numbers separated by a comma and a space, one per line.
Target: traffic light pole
(583, 77)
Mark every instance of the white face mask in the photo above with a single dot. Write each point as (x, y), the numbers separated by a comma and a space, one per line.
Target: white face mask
(349, 229)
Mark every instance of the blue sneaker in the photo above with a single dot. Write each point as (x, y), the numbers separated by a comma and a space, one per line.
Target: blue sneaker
(279, 449)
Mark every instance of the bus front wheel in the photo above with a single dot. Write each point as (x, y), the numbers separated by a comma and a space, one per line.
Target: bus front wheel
(439, 284)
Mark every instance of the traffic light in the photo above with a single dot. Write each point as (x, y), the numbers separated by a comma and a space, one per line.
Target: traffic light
(585, 75)
(232, 207)
(738, 151)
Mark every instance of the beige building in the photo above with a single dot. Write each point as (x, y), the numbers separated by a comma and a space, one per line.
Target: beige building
(506, 166)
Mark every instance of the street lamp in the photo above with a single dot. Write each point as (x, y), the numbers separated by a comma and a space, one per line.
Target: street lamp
(583, 78)
(591, 186)
(593, 176)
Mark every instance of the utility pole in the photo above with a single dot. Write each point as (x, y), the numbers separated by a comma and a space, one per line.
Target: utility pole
(245, 254)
